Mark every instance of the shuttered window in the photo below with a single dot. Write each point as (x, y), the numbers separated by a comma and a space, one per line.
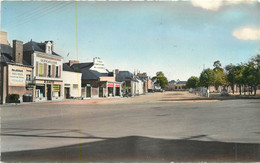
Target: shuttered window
(40, 69)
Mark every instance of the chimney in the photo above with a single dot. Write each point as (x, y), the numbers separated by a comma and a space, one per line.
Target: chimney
(71, 62)
(116, 71)
(18, 51)
(3, 38)
(52, 45)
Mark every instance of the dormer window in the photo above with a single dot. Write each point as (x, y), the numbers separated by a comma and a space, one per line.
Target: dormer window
(48, 47)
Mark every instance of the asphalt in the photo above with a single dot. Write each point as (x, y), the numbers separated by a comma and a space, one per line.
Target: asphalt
(148, 131)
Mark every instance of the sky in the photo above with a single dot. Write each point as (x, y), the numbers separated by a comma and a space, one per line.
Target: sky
(179, 38)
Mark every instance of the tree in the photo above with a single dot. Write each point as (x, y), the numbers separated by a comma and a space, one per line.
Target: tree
(221, 78)
(207, 78)
(161, 79)
(251, 76)
(193, 82)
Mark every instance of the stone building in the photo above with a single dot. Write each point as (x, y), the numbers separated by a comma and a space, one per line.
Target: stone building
(15, 72)
(47, 72)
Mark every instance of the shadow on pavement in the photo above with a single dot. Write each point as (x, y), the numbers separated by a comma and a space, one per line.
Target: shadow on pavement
(139, 149)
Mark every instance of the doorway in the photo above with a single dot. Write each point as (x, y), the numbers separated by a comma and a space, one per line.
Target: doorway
(88, 92)
(117, 91)
(48, 92)
(67, 93)
(100, 92)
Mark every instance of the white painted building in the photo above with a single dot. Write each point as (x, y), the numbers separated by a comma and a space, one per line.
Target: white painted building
(72, 82)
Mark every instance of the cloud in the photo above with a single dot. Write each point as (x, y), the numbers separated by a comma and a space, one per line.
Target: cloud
(214, 5)
(208, 5)
(247, 33)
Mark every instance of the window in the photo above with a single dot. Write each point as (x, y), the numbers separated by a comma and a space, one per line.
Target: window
(49, 70)
(57, 71)
(49, 49)
(28, 77)
(75, 85)
(40, 69)
(40, 90)
(56, 88)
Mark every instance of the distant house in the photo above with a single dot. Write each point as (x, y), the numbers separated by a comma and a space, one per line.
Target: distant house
(131, 84)
(180, 85)
(148, 84)
(176, 85)
(96, 80)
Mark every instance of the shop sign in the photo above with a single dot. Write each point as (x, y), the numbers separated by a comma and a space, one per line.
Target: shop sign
(48, 61)
(110, 85)
(17, 76)
(56, 88)
(117, 85)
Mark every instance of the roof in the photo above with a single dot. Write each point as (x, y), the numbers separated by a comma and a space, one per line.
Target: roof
(66, 67)
(79, 66)
(181, 82)
(172, 81)
(35, 46)
(124, 76)
(6, 49)
(87, 73)
(7, 55)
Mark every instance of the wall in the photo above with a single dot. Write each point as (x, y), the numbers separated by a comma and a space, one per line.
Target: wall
(72, 78)
(14, 81)
(46, 60)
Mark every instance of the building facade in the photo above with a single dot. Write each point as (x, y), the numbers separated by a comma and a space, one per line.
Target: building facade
(72, 82)
(96, 80)
(15, 72)
(47, 72)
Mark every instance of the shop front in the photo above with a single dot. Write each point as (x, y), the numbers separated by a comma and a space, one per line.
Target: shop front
(113, 89)
(48, 90)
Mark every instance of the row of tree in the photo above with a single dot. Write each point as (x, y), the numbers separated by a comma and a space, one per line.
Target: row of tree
(244, 75)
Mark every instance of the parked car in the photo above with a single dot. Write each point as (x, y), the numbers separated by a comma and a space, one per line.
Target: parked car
(224, 92)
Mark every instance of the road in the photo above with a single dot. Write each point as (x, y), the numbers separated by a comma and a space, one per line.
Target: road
(141, 129)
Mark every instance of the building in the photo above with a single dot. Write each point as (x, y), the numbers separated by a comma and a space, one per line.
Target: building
(15, 72)
(180, 85)
(72, 82)
(96, 80)
(47, 72)
(148, 83)
(132, 84)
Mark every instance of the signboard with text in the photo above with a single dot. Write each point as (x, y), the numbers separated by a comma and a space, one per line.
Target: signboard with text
(17, 76)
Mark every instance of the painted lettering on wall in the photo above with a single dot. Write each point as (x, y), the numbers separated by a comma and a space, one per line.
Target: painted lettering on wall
(48, 61)
(17, 76)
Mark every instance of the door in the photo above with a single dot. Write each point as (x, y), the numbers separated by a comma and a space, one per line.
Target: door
(67, 93)
(100, 92)
(48, 92)
(117, 91)
(88, 92)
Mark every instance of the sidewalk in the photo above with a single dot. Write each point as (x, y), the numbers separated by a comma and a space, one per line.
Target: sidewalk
(65, 101)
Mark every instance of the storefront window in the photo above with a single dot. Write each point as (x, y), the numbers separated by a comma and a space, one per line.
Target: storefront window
(40, 90)
(56, 90)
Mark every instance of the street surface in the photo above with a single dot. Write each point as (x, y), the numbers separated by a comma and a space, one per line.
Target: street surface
(158, 127)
